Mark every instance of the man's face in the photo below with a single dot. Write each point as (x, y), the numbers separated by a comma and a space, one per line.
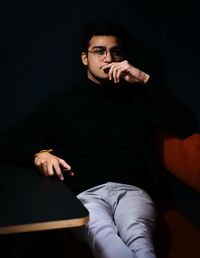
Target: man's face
(102, 50)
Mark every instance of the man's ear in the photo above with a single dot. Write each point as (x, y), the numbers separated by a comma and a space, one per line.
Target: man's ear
(84, 58)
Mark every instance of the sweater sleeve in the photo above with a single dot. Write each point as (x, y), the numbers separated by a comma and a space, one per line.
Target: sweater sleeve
(19, 143)
(167, 112)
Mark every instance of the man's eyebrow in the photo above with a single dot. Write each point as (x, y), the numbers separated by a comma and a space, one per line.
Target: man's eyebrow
(104, 47)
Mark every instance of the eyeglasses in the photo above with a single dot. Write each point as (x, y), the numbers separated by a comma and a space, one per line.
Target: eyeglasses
(100, 52)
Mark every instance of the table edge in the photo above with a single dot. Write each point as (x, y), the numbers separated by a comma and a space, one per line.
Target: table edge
(47, 225)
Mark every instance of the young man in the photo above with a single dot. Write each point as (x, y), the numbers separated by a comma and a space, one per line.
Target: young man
(101, 131)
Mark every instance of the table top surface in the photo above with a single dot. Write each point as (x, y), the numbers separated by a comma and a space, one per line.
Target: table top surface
(30, 201)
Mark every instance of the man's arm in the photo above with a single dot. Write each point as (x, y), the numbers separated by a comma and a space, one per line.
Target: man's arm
(19, 142)
(164, 110)
(28, 142)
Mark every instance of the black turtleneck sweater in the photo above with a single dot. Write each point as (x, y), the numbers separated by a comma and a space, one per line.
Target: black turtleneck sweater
(103, 131)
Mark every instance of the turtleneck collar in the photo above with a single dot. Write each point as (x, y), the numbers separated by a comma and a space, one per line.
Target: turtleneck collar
(107, 88)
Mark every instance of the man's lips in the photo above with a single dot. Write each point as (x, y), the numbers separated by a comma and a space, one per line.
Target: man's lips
(106, 70)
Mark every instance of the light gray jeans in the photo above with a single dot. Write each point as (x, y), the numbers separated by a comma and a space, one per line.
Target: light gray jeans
(121, 224)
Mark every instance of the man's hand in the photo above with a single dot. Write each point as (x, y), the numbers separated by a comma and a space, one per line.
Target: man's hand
(50, 165)
(124, 70)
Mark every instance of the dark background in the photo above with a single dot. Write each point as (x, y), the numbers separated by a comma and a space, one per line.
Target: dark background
(40, 51)
(40, 54)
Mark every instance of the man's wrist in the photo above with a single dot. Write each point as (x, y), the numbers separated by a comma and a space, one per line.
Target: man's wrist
(42, 151)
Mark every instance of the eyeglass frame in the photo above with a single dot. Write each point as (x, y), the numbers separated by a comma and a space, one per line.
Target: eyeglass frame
(106, 51)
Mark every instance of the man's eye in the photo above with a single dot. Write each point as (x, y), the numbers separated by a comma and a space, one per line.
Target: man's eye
(99, 51)
(117, 53)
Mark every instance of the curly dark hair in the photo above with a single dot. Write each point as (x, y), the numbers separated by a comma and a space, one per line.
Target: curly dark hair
(102, 29)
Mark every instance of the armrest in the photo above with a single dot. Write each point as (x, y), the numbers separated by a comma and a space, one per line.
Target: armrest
(181, 157)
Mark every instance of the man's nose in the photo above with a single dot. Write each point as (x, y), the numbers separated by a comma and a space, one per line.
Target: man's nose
(108, 57)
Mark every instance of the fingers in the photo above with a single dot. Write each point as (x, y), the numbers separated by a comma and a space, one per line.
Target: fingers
(57, 170)
(50, 165)
(123, 70)
(64, 164)
(117, 70)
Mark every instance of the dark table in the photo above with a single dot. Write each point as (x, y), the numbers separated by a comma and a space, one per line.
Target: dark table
(30, 202)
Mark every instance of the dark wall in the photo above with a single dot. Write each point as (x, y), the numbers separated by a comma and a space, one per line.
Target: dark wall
(181, 52)
(40, 45)
(40, 51)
